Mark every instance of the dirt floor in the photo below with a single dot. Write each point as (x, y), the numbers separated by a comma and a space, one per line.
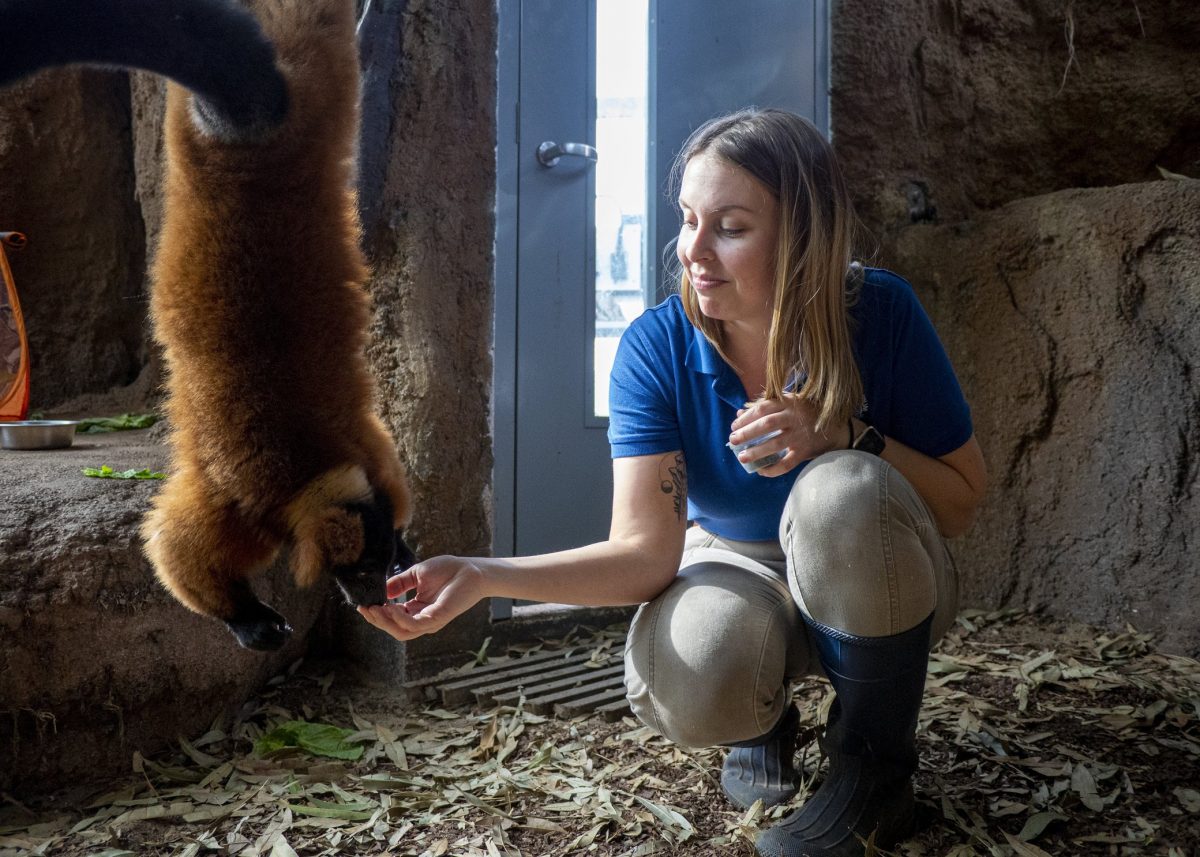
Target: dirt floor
(1037, 737)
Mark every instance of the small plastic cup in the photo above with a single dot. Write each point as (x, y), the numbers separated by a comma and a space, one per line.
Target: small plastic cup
(758, 463)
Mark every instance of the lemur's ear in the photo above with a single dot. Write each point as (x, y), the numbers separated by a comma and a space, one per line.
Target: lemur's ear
(331, 537)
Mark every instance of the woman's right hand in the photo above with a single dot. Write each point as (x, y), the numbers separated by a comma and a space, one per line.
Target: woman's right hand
(443, 587)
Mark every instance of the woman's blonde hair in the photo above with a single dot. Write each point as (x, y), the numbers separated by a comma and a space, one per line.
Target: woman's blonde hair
(809, 345)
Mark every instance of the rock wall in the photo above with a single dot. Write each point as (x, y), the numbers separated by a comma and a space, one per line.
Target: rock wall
(1071, 315)
(428, 199)
(67, 182)
(946, 107)
(430, 244)
(1073, 320)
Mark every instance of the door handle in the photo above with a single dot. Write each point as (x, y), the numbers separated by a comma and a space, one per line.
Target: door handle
(549, 152)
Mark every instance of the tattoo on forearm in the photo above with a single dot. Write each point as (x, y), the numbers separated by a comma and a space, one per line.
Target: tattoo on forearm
(674, 482)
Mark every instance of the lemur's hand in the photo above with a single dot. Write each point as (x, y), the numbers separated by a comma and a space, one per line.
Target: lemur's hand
(443, 587)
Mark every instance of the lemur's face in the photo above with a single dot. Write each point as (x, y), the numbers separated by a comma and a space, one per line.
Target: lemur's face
(364, 581)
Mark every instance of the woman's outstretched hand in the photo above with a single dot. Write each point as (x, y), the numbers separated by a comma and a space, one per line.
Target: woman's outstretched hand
(795, 417)
(443, 587)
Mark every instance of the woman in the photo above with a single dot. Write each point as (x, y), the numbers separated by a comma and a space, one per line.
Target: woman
(827, 560)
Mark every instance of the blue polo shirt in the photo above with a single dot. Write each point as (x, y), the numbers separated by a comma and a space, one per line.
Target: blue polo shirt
(670, 390)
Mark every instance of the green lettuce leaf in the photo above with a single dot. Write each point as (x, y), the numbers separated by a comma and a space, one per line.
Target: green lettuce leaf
(318, 739)
(106, 472)
(124, 422)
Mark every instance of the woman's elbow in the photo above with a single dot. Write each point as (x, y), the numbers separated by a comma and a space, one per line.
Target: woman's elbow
(952, 526)
(960, 508)
(657, 585)
(958, 520)
(659, 570)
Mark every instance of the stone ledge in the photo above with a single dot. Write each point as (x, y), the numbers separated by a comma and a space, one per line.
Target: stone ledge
(96, 658)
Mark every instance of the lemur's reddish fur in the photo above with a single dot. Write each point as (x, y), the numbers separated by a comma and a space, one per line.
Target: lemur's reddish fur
(258, 293)
(258, 301)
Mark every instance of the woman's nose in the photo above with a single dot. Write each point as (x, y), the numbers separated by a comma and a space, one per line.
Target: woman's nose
(694, 246)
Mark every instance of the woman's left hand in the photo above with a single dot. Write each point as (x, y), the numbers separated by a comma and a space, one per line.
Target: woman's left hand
(795, 417)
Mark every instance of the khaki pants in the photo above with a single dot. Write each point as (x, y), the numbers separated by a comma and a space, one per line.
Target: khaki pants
(710, 660)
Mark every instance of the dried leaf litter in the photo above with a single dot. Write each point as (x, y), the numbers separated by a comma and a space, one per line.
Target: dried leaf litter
(1037, 736)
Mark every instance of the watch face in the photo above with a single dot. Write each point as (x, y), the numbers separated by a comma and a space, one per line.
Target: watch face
(870, 441)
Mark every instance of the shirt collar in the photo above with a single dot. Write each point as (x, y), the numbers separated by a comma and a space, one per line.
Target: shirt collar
(703, 359)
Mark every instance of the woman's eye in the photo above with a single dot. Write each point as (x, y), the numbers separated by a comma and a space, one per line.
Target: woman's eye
(724, 231)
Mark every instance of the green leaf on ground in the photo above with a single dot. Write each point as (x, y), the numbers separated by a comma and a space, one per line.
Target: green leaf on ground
(106, 472)
(318, 739)
(124, 422)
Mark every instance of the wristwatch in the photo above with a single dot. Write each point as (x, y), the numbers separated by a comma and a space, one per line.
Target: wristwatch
(869, 441)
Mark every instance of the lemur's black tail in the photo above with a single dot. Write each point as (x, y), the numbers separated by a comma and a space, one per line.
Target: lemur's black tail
(215, 48)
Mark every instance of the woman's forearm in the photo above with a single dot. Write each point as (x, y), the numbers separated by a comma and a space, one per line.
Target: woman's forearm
(609, 573)
(952, 486)
(638, 561)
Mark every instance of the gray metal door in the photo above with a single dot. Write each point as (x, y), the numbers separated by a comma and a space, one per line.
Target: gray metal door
(560, 297)
(561, 493)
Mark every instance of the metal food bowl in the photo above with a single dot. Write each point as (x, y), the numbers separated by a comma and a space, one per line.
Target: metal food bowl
(37, 434)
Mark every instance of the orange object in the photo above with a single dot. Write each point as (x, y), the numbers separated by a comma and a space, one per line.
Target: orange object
(14, 347)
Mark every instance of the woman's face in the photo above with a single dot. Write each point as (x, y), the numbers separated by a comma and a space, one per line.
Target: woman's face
(727, 240)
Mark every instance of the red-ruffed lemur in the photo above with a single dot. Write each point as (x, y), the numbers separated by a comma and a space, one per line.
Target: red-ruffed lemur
(257, 294)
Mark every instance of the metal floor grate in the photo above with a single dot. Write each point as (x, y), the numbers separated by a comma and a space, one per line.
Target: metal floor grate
(564, 683)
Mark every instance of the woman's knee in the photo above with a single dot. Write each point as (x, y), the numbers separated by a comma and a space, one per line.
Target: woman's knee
(862, 548)
(836, 494)
(705, 662)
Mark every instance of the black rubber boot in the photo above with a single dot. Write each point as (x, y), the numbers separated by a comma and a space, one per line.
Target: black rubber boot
(871, 744)
(762, 769)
